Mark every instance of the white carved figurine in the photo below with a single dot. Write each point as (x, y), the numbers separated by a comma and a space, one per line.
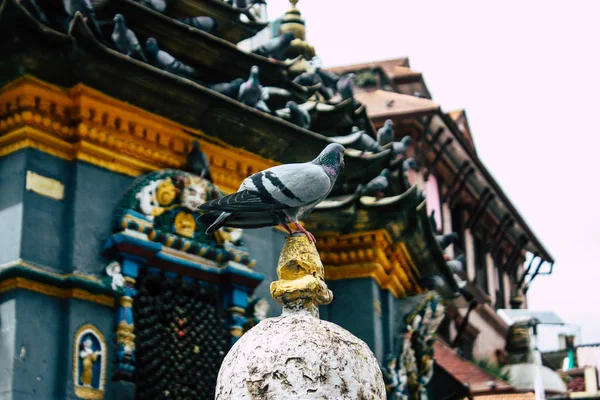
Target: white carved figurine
(114, 271)
(147, 198)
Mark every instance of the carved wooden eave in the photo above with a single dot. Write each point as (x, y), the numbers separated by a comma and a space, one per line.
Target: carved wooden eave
(215, 59)
(231, 27)
(389, 239)
(196, 111)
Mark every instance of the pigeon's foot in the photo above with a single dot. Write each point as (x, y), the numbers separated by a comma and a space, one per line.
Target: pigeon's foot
(307, 233)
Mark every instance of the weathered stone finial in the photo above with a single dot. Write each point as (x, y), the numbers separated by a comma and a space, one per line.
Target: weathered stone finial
(301, 284)
(297, 356)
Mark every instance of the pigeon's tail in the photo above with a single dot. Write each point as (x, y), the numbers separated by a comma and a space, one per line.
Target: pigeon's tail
(219, 222)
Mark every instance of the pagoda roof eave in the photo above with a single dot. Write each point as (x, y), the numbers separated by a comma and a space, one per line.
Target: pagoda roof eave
(461, 151)
(231, 28)
(382, 105)
(211, 56)
(66, 61)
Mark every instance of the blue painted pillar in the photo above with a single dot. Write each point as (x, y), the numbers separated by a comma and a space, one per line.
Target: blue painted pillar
(236, 302)
(125, 323)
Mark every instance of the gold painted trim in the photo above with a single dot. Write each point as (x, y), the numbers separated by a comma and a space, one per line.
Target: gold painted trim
(28, 284)
(87, 392)
(84, 124)
(33, 267)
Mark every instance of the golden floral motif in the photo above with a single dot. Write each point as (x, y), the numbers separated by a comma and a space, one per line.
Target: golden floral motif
(185, 224)
(166, 192)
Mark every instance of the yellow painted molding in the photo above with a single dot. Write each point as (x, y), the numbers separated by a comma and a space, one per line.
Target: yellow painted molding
(28, 284)
(369, 254)
(84, 124)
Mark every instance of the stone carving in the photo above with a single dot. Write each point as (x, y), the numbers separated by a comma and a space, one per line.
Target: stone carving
(411, 369)
(89, 363)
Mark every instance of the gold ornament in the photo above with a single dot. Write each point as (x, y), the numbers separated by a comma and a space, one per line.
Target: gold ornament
(165, 194)
(185, 224)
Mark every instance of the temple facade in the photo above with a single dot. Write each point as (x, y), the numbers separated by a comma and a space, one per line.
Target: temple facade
(119, 118)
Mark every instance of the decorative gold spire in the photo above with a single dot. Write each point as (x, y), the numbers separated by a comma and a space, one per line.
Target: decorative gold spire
(292, 21)
(301, 283)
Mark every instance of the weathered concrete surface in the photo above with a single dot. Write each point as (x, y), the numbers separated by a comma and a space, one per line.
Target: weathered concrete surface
(297, 356)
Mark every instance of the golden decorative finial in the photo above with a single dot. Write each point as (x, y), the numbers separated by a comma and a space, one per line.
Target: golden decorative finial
(293, 3)
(301, 283)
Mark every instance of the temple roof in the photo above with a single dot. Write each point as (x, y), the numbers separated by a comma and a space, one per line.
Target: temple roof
(467, 372)
(382, 104)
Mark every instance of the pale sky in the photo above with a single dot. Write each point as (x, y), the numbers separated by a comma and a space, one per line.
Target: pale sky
(527, 72)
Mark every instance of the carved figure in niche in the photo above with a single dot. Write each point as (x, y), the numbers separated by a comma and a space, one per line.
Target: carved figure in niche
(256, 311)
(89, 364)
(113, 270)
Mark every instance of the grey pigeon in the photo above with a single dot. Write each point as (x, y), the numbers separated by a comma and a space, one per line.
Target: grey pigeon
(457, 265)
(446, 240)
(278, 195)
(251, 92)
(308, 79)
(346, 87)
(197, 162)
(241, 3)
(378, 185)
(125, 40)
(158, 5)
(298, 116)
(229, 89)
(410, 164)
(432, 282)
(385, 134)
(276, 47)
(86, 8)
(330, 79)
(403, 148)
(206, 24)
(163, 60)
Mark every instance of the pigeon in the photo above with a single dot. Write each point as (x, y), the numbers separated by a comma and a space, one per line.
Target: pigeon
(330, 79)
(346, 87)
(458, 264)
(378, 185)
(241, 3)
(251, 92)
(229, 89)
(279, 195)
(165, 61)
(298, 116)
(86, 8)
(158, 5)
(308, 79)
(206, 24)
(446, 240)
(197, 162)
(432, 282)
(125, 40)
(276, 47)
(403, 148)
(385, 134)
(34, 9)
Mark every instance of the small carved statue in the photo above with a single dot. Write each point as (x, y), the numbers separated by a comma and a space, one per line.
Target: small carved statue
(114, 271)
(88, 356)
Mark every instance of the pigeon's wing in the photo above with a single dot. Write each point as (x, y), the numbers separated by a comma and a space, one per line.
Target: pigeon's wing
(132, 39)
(291, 185)
(243, 200)
(379, 183)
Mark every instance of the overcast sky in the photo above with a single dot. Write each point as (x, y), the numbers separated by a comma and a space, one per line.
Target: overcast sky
(527, 74)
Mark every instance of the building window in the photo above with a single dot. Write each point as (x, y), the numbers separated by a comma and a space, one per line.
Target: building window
(432, 198)
(500, 292)
(181, 339)
(481, 273)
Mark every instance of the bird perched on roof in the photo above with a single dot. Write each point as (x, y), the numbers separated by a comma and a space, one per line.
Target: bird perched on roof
(458, 264)
(404, 148)
(329, 80)
(251, 92)
(385, 134)
(308, 79)
(206, 24)
(158, 5)
(165, 61)
(378, 185)
(432, 282)
(125, 40)
(345, 86)
(279, 195)
(446, 240)
(298, 115)
(276, 47)
(229, 89)
(197, 162)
